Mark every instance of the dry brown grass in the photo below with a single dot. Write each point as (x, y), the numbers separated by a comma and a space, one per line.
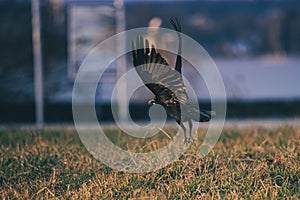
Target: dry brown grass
(254, 163)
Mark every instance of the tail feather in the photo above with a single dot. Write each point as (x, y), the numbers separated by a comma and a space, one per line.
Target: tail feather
(205, 115)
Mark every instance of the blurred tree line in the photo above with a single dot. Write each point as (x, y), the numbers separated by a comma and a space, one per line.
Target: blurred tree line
(16, 56)
(229, 29)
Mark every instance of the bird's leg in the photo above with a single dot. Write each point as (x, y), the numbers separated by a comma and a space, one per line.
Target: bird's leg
(191, 139)
(184, 130)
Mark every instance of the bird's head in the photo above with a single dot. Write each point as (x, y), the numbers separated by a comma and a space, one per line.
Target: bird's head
(151, 102)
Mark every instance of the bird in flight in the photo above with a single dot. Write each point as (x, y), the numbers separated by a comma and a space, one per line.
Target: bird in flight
(166, 83)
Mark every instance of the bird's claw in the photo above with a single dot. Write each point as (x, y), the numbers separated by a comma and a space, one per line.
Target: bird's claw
(188, 141)
(191, 139)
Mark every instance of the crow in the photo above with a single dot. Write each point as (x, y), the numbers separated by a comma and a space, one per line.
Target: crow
(166, 83)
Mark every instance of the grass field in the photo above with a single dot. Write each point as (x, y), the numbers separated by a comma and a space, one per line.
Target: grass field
(258, 163)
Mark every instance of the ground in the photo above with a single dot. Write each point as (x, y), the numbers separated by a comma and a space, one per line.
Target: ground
(247, 162)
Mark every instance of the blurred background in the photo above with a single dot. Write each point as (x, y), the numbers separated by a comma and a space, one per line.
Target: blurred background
(255, 44)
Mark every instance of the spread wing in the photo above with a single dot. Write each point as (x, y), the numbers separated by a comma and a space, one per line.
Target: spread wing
(164, 82)
(176, 25)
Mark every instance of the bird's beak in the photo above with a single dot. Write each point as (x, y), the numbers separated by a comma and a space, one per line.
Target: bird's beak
(151, 102)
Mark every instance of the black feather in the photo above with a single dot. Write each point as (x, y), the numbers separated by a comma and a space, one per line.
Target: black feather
(165, 82)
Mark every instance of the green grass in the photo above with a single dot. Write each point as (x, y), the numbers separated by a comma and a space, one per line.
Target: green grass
(254, 163)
